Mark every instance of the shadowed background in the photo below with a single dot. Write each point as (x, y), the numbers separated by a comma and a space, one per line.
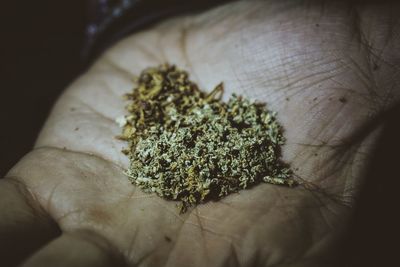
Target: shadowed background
(40, 42)
(41, 48)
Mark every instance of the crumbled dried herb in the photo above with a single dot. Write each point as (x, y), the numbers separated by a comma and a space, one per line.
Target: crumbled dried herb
(187, 145)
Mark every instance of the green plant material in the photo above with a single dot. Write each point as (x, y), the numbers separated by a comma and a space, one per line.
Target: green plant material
(187, 145)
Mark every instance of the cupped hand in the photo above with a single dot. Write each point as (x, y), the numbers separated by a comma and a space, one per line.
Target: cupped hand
(330, 71)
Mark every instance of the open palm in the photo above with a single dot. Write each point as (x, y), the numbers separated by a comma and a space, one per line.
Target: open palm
(327, 71)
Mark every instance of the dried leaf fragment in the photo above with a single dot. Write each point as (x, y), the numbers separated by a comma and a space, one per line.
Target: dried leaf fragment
(187, 145)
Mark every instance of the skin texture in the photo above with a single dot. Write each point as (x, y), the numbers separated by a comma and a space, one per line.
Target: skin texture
(330, 70)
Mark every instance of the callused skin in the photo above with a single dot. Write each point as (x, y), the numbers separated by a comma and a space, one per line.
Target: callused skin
(329, 70)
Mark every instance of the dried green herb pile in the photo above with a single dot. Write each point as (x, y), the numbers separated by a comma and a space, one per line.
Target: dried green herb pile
(188, 145)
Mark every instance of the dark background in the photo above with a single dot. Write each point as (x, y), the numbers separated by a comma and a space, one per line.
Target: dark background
(40, 48)
(40, 54)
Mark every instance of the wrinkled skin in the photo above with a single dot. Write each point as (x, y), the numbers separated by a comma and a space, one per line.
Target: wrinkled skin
(329, 70)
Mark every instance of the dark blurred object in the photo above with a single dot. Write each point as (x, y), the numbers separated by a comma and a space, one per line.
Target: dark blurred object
(110, 20)
(40, 48)
(374, 234)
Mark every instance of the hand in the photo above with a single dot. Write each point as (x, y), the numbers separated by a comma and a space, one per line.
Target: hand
(330, 72)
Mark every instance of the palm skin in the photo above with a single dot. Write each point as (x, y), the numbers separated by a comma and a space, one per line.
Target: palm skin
(329, 72)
